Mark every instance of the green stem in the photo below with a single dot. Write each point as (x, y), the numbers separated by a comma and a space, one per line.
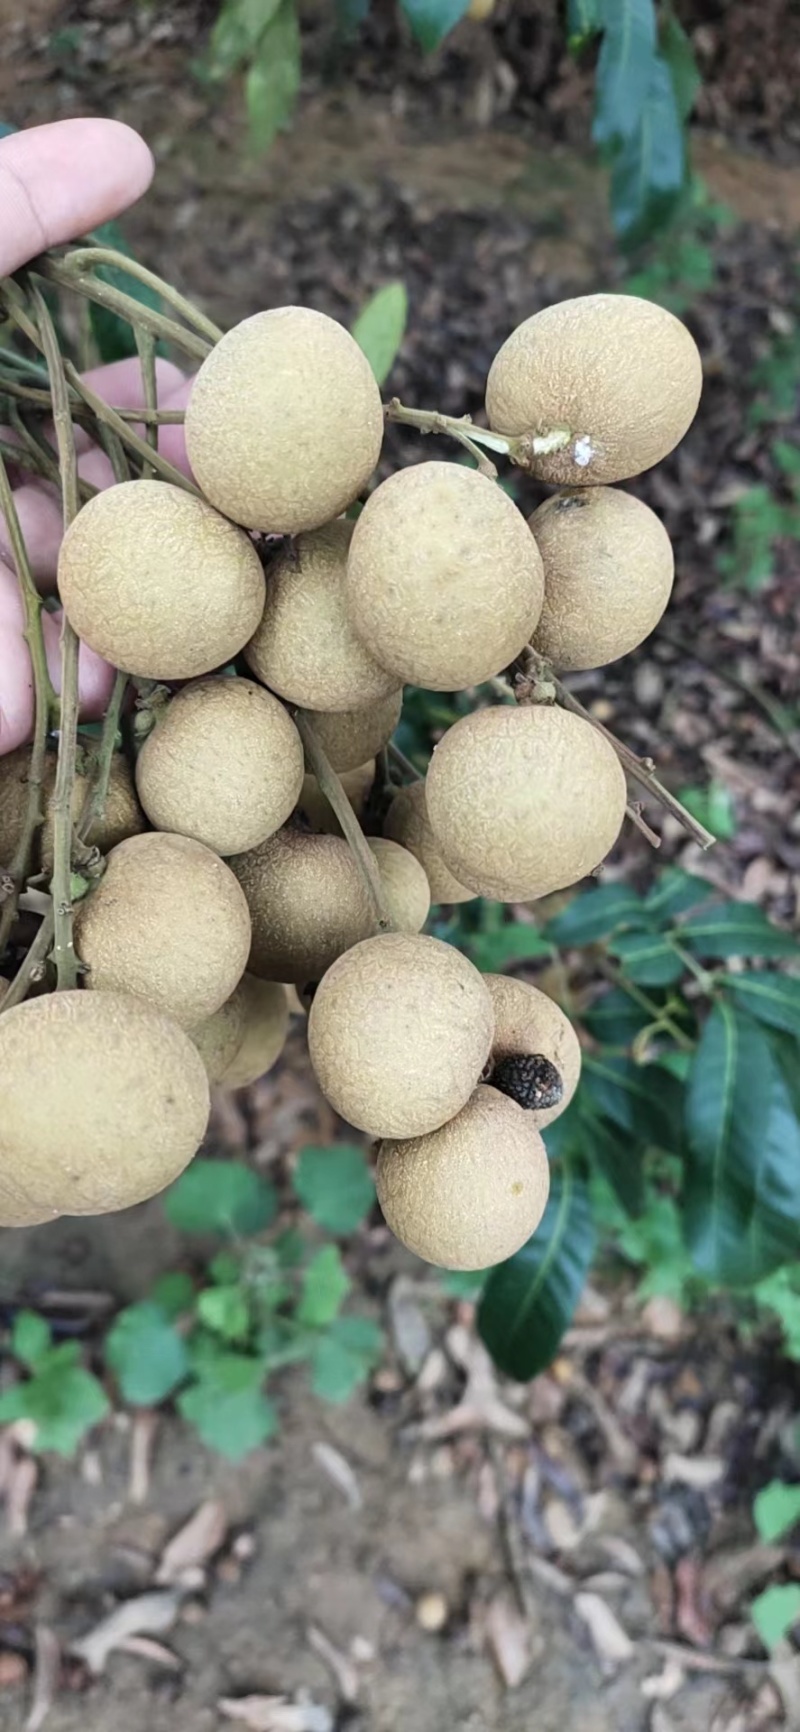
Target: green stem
(82, 259)
(137, 445)
(657, 1012)
(95, 803)
(403, 763)
(520, 449)
(146, 347)
(40, 399)
(137, 315)
(44, 699)
(334, 793)
(31, 967)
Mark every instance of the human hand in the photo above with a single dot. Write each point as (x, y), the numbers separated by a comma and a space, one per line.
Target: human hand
(56, 183)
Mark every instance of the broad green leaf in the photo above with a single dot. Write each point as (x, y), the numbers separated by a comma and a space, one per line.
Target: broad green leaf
(343, 1357)
(30, 1338)
(173, 1293)
(677, 51)
(615, 1019)
(146, 1354)
(643, 1100)
(113, 335)
(624, 68)
(225, 1268)
(225, 1311)
(742, 1189)
(737, 929)
(714, 806)
(595, 914)
(325, 1286)
(335, 1185)
(529, 1302)
(779, 1293)
(220, 1197)
(772, 998)
(227, 1406)
(776, 1510)
(273, 78)
(775, 1611)
(432, 20)
(648, 169)
(236, 34)
(63, 1401)
(648, 959)
(620, 1160)
(512, 941)
(380, 327)
(674, 892)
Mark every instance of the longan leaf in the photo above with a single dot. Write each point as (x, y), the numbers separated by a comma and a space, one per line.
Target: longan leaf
(113, 335)
(737, 929)
(220, 1196)
(335, 1185)
(773, 999)
(273, 78)
(677, 51)
(595, 914)
(648, 959)
(649, 165)
(380, 327)
(529, 1301)
(644, 1101)
(146, 1354)
(674, 892)
(432, 20)
(624, 68)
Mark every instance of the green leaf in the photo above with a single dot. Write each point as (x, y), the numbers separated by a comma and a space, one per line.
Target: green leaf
(620, 1160)
(173, 1293)
(238, 29)
(380, 327)
(584, 20)
(349, 14)
(462, 1283)
(772, 998)
(228, 1408)
(325, 1285)
(648, 959)
(146, 1354)
(220, 1197)
(62, 1400)
(714, 806)
(778, 1293)
(614, 1019)
(113, 335)
(432, 20)
(335, 1185)
(643, 1100)
(342, 1358)
(775, 1611)
(624, 68)
(529, 1302)
(648, 169)
(674, 892)
(776, 1510)
(225, 1311)
(30, 1338)
(595, 914)
(742, 1189)
(737, 929)
(654, 1241)
(510, 941)
(273, 78)
(677, 51)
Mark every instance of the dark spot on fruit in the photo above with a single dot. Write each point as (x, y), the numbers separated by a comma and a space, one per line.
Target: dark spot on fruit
(530, 1079)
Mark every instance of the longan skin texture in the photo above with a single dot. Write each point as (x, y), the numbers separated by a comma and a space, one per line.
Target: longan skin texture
(622, 375)
(224, 764)
(608, 574)
(284, 425)
(470, 1194)
(308, 902)
(527, 1021)
(159, 583)
(105, 1101)
(169, 922)
(399, 1032)
(317, 809)
(349, 737)
(220, 1036)
(265, 1006)
(305, 647)
(406, 890)
(444, 586)
(407, 822)
(524, 801)
(123, 816)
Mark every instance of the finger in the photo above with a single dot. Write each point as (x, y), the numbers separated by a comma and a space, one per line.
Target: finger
(39, 516)
(171, 441)
(95, 677)
(60, 180)
(120, 384)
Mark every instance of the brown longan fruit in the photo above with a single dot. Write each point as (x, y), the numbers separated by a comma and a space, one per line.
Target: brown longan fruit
(608, 572)
(470, 1194)
(308, 902)
(223, 764)
(305, 647)
(349, 737)
(159, 583)
(399, 1031)
(620, 375)
(444, 582)
(284, 425)
(407, 822)
(265, 1007)
(526, 1022)
(524, 801)
(105, 1101)
(317, 808)
(123, 816)
(220, 1036)
(406, 891)
(167, 921)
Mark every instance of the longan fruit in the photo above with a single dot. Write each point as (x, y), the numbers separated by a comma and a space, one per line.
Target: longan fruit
(527, 1022)
(407, 822)
(608, 572)
(123, 816)
(308, 902)
(350, 737)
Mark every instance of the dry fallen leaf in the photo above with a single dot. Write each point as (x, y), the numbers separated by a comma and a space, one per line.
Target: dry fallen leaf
(147, 1615)
(699, 1472)
(194, 1543)
(143, 1437)
(408, 1324)
(662, 1686)
(341, 1665)
(147, 1649)
(20, 1487)
(276, 1714)
(45, 1677)
(508, 1639)
(611, 1643)
(338, 1468)
(480, 1407)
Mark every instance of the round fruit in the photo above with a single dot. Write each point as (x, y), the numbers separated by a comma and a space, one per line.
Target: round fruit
(407, 822)
(399, 1033)
(524, 801)
(349, 737)
(266, 1019)
(308, 902)
(158, 583)
(526, 1021)
(305, 647)
(444, 582)
(122, 816)
(480, 10)
(219, 1038)
(284, 424)
(405, 888)
(608, 571)
(318, 810)
(223, 764)
(620, 375)
(105, 1101)
(470, 1194)
(168, 922)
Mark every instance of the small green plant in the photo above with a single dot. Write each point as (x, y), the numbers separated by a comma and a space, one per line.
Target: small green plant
(776, 1510)
(58, 1396)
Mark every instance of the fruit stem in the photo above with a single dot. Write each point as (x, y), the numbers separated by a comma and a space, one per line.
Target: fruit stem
(95, 803)
(41, 399)
(146, 348)
(519, 448)
(331, 787)
(82, 259)
(61, 890)
(32, 964)
(658, 1012)
(403, 763)
(136, 314)
(134, 442)
(44, 702)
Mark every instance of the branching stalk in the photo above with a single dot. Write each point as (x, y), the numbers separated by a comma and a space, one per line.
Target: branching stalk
(146, 347)
(29, 969)
(95, 803)
(462, 427)
(44, 700)
(334, 793)
(132, 440)
(83, 259)
(138, 316)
